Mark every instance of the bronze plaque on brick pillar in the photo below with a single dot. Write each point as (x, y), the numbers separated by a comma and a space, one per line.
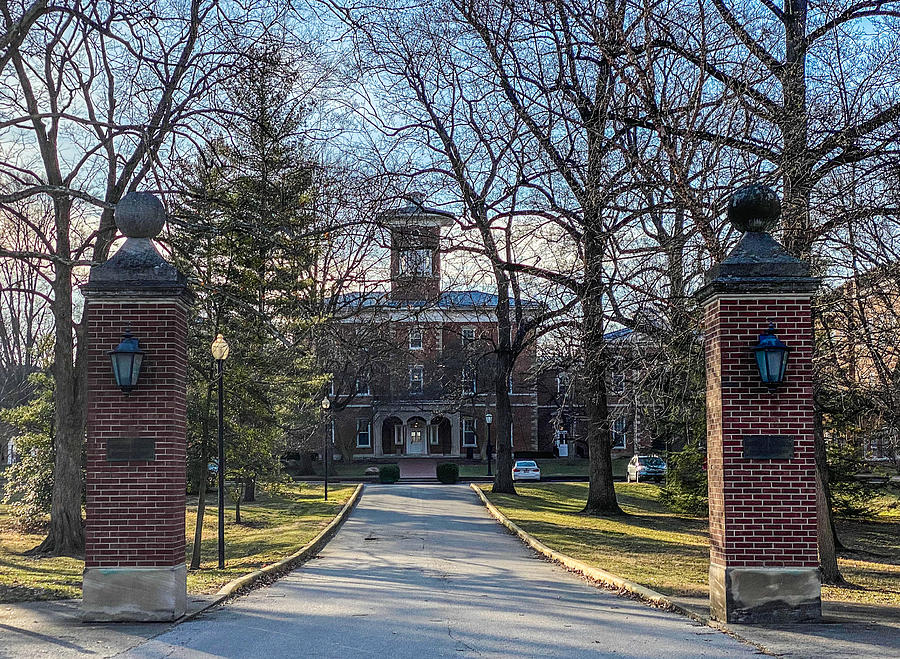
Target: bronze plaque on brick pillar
(126, 449)
(768, 447)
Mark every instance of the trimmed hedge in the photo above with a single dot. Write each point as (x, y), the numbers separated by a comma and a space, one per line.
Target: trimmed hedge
(448, 472)
(388, 473)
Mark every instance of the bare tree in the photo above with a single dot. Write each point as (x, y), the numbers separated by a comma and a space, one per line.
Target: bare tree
(94, 96)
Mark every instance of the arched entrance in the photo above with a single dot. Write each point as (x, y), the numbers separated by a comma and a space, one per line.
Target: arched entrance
(439, 436)
(416, 436)
(392, 441)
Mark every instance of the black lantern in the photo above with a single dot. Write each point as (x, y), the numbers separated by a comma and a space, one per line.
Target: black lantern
(126, 362)
(771, 358)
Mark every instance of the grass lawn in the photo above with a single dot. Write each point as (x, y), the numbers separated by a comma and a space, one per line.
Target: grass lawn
(670, 553)
(271, 528)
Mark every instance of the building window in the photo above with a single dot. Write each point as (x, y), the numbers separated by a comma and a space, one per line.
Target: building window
(562, 383)
(362, 385)
(363, 434)
(416, 379)
(468, 336)
(415, 338)
(617, 383)
(469, 437)
(398, 435)
(415, 262)
(469, 380)
(433, 437)
(619, 432)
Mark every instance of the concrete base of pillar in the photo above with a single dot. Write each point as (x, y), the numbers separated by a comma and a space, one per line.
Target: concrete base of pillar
(765, 594)
(134, 594)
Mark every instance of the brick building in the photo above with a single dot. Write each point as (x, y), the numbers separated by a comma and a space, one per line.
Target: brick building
(413, 369)
(561, 407)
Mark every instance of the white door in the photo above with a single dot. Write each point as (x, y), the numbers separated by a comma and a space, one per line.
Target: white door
(416, 439)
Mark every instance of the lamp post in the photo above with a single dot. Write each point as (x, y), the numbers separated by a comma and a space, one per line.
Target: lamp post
(488, 419)
(219, 349)
(326, 405)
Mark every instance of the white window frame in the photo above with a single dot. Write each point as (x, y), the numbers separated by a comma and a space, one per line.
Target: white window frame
(619, 431)
(470, 380)
(469, 429)
(509, 381)
(468, 336)
(398, 434)
(416, 262)
(368, 390)
(563, 381)
(420, 381)
(617, 383)
(416, 335)
(433, 436)
(363, 428)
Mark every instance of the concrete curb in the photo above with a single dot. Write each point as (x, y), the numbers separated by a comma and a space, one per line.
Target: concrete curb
(308, 550)
(605, 578)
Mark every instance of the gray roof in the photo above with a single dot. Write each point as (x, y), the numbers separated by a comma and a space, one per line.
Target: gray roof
(447, 300)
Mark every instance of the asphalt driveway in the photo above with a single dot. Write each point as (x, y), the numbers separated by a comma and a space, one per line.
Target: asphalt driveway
(423, 571)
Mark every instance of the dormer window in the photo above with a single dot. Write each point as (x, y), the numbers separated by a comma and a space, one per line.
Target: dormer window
(415, 263)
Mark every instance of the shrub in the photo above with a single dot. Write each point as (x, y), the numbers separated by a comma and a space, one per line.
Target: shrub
(851, 497)
(686, 486)
(29, 481)
(448, 472)
(389, 473)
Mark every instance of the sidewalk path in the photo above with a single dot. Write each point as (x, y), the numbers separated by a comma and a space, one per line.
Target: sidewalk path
(417, 469)
(423, 571)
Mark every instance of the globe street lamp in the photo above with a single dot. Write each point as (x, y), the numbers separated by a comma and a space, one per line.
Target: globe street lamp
(771, 358)
(326, 405)
(488, 419)
(219, 349)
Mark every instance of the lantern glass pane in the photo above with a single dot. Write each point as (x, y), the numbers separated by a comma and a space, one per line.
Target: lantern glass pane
(782, 365)
(136, 360)
(762, 364)
(774, 357)
(120, 368)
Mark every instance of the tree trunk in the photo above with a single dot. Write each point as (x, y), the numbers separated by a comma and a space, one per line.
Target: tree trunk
(831, 573)
(198, 528)
(66, 534)
(237, 506)
(250, 489)
(204, 478)
(601, 498)
(503, 480)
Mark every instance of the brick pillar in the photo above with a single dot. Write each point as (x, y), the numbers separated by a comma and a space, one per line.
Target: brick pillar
(760, 454)
(134, 534)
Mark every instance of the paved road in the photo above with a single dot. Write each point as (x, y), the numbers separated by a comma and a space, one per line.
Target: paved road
(423, 571)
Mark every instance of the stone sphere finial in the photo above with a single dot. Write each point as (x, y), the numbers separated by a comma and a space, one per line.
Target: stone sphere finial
(140, 215)
(754, 208)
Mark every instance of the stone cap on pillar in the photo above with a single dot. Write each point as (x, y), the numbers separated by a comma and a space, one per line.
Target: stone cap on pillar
(137, 268)
(757, 264)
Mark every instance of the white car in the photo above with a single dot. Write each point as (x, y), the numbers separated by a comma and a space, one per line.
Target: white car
(644, 468)
(526, 470)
